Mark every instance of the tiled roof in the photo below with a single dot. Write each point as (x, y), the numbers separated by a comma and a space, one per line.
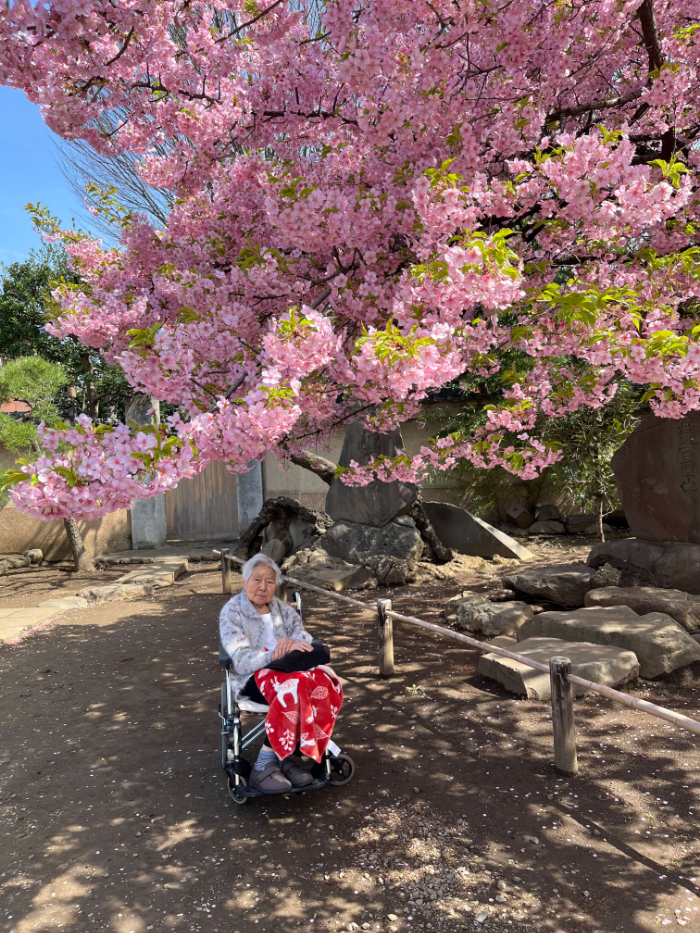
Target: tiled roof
(15, 408)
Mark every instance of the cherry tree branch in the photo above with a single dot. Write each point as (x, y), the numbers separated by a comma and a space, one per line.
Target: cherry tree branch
(122, 49)
(321, 298)
(324, 469)
(237, 384)
(237, 31)
(605, 104)
(647, 20)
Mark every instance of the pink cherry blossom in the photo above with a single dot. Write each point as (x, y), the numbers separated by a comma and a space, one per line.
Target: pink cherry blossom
(370, 201)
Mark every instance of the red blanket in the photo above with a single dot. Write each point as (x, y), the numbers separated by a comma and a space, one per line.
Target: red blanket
(303, 709)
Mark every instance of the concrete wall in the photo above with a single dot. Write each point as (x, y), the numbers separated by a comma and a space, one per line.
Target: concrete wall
(308, 489)
(296, 482)
(19, 531)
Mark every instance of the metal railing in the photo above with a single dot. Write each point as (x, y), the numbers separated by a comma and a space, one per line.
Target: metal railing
(559, 668)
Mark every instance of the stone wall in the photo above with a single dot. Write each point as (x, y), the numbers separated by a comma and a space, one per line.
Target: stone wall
(19, 531)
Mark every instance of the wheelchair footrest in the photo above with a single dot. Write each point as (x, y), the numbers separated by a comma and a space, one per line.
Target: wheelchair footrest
(253, 792)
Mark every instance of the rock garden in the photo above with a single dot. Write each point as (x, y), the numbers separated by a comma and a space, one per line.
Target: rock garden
(612, 611)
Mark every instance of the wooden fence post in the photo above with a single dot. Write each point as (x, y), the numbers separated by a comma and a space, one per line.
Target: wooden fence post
(386, 638)
(281, 591)
(226, 571)
(563, 716)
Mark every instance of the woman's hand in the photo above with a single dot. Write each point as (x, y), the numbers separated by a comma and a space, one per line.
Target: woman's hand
(286, 645)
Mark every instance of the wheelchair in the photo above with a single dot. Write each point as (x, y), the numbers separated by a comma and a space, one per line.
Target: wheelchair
(334, 768)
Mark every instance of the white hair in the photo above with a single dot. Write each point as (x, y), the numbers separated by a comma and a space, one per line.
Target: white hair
(250, 565)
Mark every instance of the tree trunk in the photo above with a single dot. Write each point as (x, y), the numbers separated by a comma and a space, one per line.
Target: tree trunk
(428, 533)
(324, 469)
(599, 517)
(83, 564)
(92, 403)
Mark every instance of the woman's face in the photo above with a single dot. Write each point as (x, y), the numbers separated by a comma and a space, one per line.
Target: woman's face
(261, 586)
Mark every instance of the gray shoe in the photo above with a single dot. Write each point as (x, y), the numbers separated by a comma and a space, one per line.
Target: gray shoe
(270, 780)
(294, 772)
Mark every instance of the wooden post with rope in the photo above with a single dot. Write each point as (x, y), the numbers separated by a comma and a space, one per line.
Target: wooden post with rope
(386, 638)
(563, 725)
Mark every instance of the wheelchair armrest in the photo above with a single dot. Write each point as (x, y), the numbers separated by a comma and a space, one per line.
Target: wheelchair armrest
(224, 658)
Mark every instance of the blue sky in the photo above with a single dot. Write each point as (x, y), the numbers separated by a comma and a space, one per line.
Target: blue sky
(29, 172)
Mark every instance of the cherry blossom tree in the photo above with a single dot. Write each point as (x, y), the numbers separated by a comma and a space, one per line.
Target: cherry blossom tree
(371, 199)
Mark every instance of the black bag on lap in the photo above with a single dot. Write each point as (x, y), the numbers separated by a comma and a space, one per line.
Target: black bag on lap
(302, 660)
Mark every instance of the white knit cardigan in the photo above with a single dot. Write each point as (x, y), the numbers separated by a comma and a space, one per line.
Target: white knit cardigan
(242, 633)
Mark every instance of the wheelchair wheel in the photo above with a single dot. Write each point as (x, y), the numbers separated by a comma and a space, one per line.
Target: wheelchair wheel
(236, 793)
(342, 769)
(224, 734)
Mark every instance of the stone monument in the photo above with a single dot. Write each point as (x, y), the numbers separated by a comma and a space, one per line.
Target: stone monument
(379, 534)
(378, 503)
(658, 480)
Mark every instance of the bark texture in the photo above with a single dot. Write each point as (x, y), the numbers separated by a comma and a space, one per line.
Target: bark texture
(82, 562)
(599, 517)
(324, 469)
(424, 525)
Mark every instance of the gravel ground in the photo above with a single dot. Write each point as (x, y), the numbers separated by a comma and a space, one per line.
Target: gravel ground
(115, 814)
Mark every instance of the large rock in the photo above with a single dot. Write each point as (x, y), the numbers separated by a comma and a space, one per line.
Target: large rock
(577, 524)
(162, 572)
(377, 503)
(593, 529)
(541, 527)
(565, 584)
(149, 526)
(465, 533)
(471, 612)
(391, 571)
(116, 592)
(513, 531)
(286, 520)
(603, 665)
(519, 516)
(606, 575)
(356, 543)
(62, 603)
(649, 563)
(658, 479)
(682, 607)
(660, 643)
(548, 513)
(13, 562)
(314, 565)
(307, 527)
(275, 550)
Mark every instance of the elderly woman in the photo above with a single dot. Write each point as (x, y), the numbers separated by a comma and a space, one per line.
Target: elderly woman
(257, 628)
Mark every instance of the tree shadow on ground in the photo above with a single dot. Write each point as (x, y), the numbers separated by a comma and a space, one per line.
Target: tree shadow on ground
(117, 817)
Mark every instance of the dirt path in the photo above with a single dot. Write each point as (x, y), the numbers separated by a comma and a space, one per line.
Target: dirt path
(115, 814)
